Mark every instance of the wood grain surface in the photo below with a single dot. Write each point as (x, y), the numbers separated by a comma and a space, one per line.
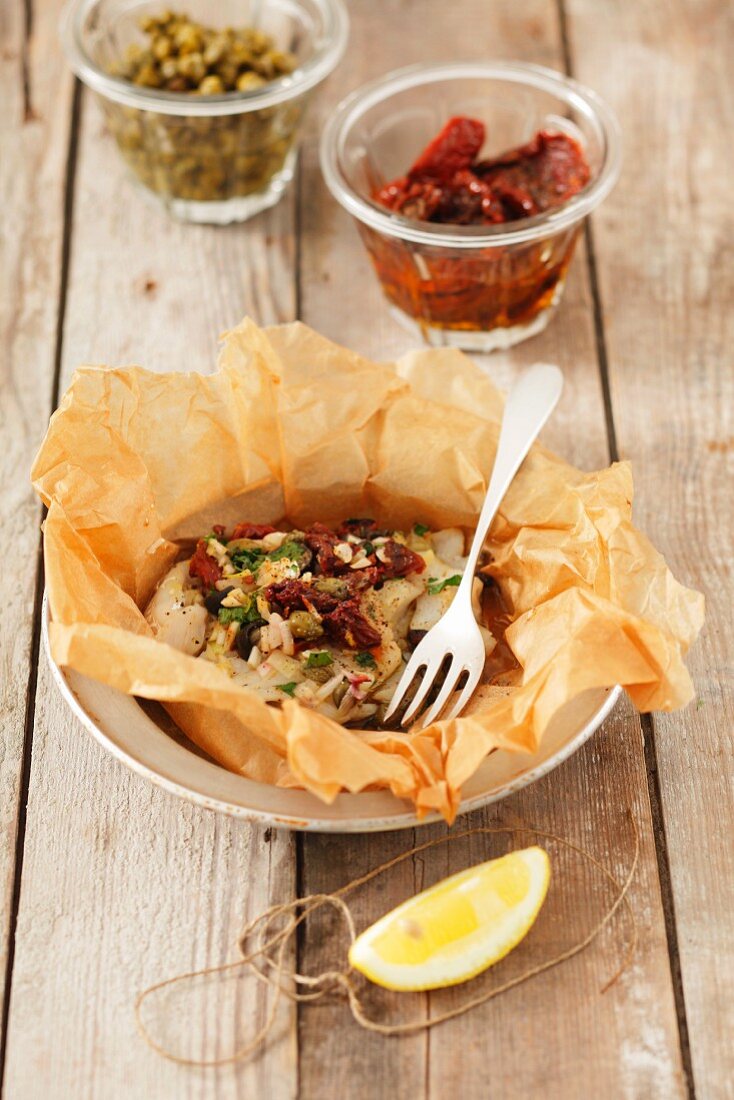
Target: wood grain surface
(666, 275)
(108, 884)
(36, 98)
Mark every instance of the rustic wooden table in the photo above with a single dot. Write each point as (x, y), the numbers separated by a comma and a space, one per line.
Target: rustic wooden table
(107, 883)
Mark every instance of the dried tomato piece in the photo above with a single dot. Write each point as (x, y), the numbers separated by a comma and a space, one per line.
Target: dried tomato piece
(456, 147)
(347, 626)
(392, 194)
(321, 541)
(511, 156)
(367, 577)
(544, 173)
(251, 530)
(464, 200)
(516, 201)
(361, 528)
(419, 200)
(397, 560)
(448, 186)
(204, 566)
(295, 595)
(343, 621)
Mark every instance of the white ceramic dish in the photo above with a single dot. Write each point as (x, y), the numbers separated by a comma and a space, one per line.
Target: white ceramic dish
(120, 724)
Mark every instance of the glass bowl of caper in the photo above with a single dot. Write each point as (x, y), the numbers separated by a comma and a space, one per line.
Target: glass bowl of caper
(206, 106)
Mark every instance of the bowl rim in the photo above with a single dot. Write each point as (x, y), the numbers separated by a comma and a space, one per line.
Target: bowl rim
(364, 812)
(370, 213)
(329, 50)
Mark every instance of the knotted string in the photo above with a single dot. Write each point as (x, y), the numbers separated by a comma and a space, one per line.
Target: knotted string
(270, 947)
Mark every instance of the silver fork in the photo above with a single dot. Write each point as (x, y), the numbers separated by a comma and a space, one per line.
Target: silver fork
(456, 635)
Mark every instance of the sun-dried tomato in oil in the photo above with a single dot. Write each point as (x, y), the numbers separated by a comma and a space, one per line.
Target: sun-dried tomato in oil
(449, 185)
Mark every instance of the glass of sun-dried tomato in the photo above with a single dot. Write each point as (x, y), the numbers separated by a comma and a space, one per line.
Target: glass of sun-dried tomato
(469, 183)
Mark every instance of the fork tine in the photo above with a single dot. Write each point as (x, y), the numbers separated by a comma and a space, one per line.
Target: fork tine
(449, 686)
(424, 688)
(466, 694)
(415, 662)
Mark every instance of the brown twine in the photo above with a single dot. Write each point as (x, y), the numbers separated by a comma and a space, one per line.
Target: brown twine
(271, 951)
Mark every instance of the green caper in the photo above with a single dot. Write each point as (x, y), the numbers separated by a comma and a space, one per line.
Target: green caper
(148, 76)
(211, 85)
(257, 41)
(189, 38)
(215, 50)
(200, 52)
(247, 82)
(282, 61)
(228, 71)
(335, 586)
(162, 47)
(192, 66)
(201, 158)
(304, 625)
(169, 69)
(264, 67)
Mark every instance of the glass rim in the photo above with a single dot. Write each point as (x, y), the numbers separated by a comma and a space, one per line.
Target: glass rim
(324, 59)
(377, 217)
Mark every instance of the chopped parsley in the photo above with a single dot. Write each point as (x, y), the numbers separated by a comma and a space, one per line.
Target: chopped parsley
(366, 660)
(292, 549)
(248, 613)
(246, 559)
(435, 586)
(319, 660)
(289, 688)
(420, 529)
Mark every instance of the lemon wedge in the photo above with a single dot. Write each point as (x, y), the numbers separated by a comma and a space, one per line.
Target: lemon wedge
(458, 927)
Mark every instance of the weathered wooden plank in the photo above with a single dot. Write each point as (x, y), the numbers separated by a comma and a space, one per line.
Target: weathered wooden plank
(123, 884)
(664, 249)
(558, 1036)
(34, 135)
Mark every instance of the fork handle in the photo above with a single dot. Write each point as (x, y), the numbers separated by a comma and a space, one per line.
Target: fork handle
(529, 404)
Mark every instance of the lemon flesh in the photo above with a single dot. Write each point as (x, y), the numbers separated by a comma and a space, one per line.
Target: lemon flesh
(458, 927)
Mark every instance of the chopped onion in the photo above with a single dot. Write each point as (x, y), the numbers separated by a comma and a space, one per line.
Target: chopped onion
(347, 704)
(274, 540)
(286, 639)
(304, 693)
(362, 710)
(330, 686)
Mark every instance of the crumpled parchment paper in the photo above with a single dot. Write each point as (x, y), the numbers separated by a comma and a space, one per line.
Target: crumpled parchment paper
(293, 426)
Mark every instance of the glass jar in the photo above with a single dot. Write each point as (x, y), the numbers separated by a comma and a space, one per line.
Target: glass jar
(474, 287)
(208, 158)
